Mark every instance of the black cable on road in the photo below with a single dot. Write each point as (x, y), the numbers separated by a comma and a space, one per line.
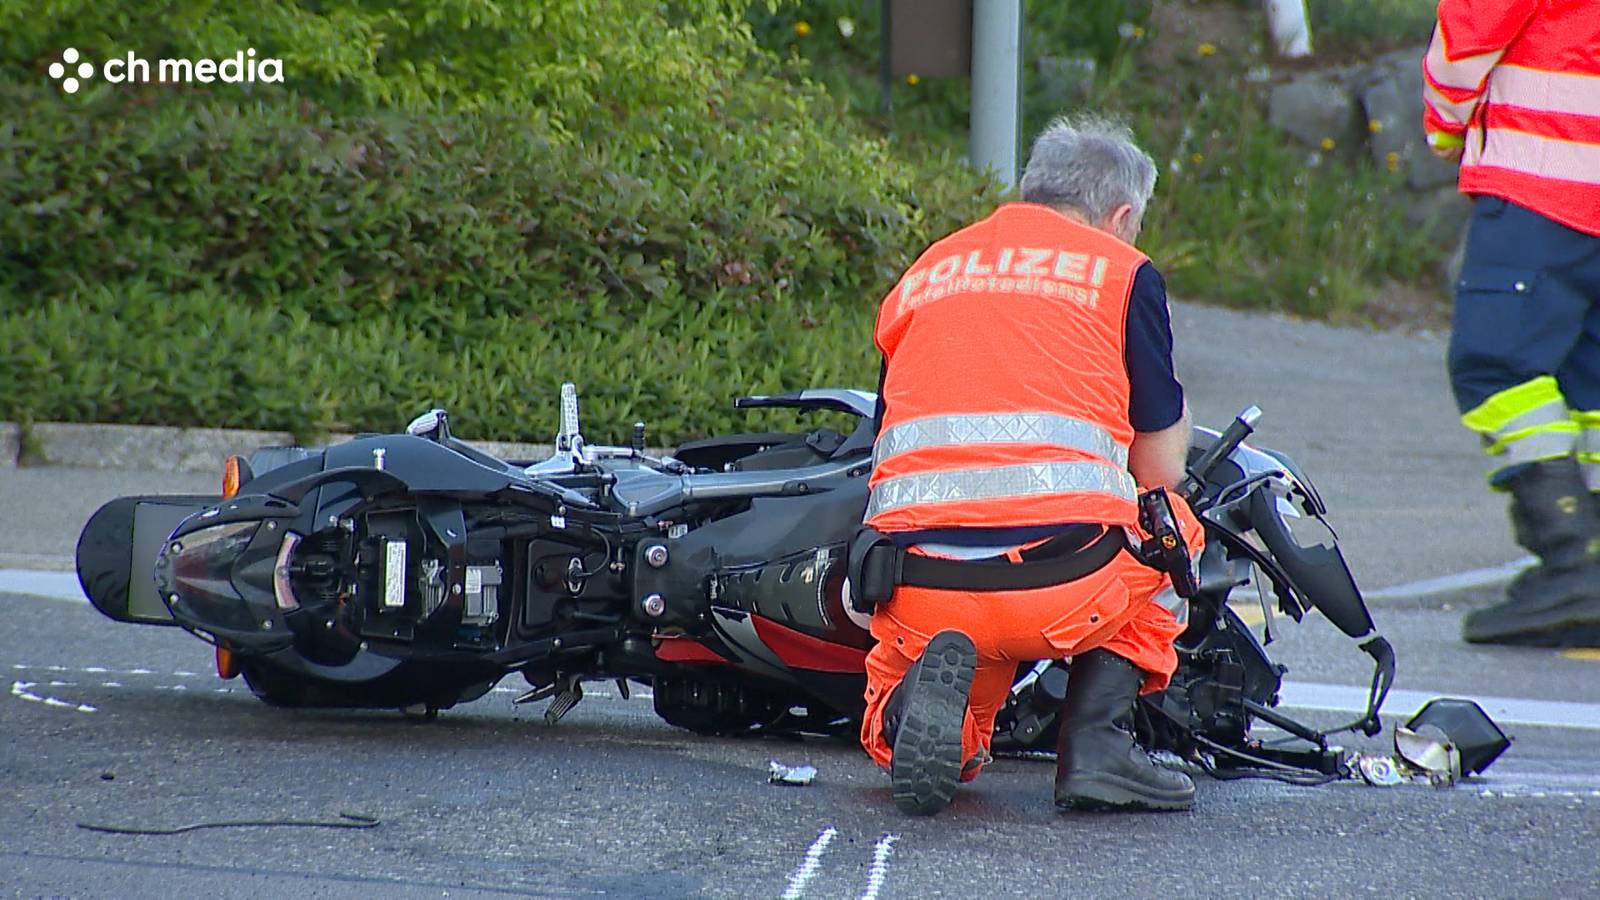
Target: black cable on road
(352, 821)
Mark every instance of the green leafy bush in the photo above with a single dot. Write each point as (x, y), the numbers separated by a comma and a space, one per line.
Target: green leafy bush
(661, 216)
(140, 355)
(564, 59)
(443, 216)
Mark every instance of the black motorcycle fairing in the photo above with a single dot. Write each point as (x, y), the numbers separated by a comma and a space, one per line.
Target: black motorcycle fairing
(216, 578)
(420, 464)
(1319, 571)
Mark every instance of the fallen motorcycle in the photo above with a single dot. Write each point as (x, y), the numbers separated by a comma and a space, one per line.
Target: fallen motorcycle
(414, 571)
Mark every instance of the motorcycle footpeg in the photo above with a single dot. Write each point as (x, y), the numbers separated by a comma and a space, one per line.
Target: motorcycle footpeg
(563, 703)
(1030, 726)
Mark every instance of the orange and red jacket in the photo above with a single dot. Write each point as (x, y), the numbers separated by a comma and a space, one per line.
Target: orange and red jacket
(1006, 386)
(1519, 80)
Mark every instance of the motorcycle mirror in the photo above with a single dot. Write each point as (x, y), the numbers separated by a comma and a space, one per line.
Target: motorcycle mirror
(1479, 740)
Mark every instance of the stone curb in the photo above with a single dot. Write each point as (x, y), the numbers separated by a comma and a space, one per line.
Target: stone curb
(162, 448)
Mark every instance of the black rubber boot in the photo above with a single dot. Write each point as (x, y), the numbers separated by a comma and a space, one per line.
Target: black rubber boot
(923, 720)
(1557, 602)
(1098, 765)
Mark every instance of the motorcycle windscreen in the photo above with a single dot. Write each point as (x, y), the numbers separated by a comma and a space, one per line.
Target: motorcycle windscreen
(117, 552)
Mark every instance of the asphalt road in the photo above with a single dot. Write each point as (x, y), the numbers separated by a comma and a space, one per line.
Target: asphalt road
(110, 724)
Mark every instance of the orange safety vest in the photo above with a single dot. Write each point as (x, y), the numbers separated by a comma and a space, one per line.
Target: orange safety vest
(1519, 80)
(1006, 390)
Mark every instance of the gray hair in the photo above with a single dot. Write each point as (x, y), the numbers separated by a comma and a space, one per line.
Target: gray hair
(1090, 164)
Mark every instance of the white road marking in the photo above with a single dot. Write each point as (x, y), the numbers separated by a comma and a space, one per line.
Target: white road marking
(1445, 584)
(808, 866)
(92, 670)
(1503, 710)
(49, 585)
(880, 866)
(20, 690)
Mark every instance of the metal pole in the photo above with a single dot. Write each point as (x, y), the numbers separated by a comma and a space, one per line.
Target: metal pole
(885, 70)
(996, 86)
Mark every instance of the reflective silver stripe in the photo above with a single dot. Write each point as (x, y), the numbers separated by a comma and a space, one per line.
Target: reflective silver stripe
(958, 551)
(1550, 444)
(1588, 431)
(1169, 600)
(1543, 414)
(1588, 447)
(1590, 464)
(1039, 479)
(1000, 428)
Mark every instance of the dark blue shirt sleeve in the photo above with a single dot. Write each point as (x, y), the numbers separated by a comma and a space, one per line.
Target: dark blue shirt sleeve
(1155, 398)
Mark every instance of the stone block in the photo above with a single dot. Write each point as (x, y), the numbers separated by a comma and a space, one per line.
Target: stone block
(1313, 108)
(1393, 109)
(153, 447)
(10, 444)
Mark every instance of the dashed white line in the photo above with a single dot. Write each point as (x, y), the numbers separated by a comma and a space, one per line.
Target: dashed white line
(20, 690)
(808, 866)
(880, 866)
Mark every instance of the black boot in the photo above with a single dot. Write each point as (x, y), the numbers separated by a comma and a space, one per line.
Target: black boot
(1098, 765)
(923, 720)
(1556, 603)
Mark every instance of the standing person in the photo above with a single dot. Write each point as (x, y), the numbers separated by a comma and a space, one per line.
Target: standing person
(1027, 386)
(1512, 90)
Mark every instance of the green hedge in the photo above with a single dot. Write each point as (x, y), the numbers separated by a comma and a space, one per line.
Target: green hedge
(635, 197)
(440, 217)
(148, 357)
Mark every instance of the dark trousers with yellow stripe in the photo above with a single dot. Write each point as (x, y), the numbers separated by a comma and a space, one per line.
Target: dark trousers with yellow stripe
(1525, 348)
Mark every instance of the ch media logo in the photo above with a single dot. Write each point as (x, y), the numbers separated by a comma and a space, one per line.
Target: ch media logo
(243, 67)
(59, 70)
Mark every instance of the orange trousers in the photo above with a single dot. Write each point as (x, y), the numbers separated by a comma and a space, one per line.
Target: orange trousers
(1112, 609)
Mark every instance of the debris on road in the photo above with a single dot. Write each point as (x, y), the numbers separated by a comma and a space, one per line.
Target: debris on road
(1428, 753)
(799, 776)
(1378, 771)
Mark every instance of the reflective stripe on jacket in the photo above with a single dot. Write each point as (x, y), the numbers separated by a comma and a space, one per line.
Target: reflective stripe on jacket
(1006, 389)
(1520, 80)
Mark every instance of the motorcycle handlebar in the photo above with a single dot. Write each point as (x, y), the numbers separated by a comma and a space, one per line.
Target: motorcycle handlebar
(1243, 426)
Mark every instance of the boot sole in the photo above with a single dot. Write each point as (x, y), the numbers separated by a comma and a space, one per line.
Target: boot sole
(1102, 792)
(927, 748)
(1559, 636)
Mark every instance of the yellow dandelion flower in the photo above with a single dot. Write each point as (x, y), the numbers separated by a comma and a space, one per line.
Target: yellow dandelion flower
(1375, 126)
(1138, 31)
(1327, 143)
(1197, 159)
(913, 79)
(1206, 49)
(1391, 157)
(802, 28)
